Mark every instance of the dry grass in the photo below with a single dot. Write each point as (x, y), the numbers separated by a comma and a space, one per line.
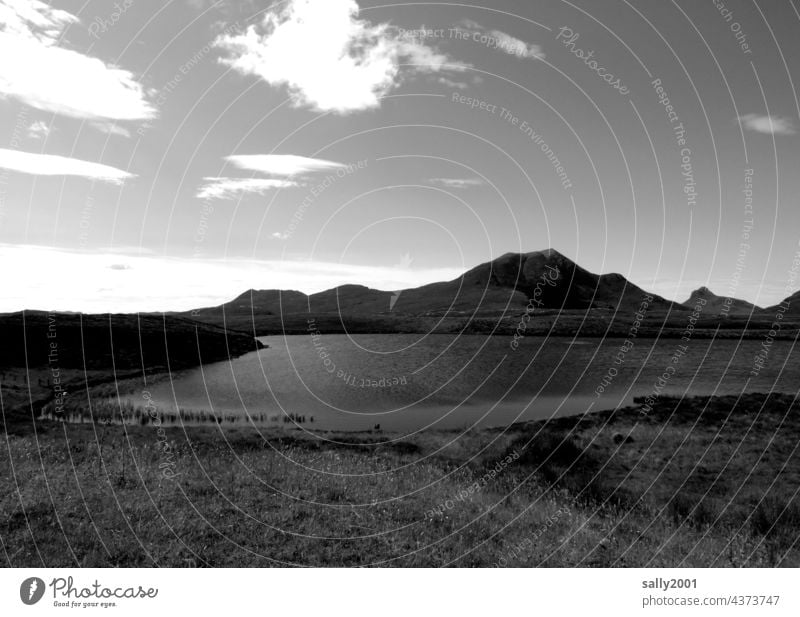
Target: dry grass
(692, 484)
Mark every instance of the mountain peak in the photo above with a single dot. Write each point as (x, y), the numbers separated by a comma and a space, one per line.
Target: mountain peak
(548, 253)
(258, 293)
(718, 305)
(702, 292)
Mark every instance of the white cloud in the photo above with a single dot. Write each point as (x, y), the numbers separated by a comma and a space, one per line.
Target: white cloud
(52, 165)
(771, 125)
(33, 19)
(285, 166)
(499, 40)
(85, 282)
(328, 58)
(281, 164)
(457, 183)
(516, 47)
(230, 188)
(424, 58)
(38, 130)
(111, 128)
(38, 71)
(451, 83)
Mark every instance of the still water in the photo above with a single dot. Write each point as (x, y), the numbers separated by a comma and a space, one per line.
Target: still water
(411, 382)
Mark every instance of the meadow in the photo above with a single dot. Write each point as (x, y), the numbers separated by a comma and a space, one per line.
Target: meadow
(707, 481)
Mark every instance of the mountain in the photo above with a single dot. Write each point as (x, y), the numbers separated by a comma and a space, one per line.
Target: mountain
(793, 309)
(504, 287)
(547, 279)
(716, 305)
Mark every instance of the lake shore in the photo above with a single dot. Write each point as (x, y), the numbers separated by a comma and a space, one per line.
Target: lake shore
(706, 481)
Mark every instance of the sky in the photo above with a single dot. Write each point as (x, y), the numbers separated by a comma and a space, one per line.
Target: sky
(172, 158)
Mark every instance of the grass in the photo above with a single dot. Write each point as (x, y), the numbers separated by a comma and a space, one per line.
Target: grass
(697, 482)
(122, 402)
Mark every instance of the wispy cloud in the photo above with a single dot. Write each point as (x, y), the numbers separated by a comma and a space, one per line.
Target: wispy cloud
(285, 165)
(516, 47)
(287, 171)
(111, 128)
(451, 83)
(502, 41)
(40, 72)
(457, 183)
(52, 165)
(327, 57)
(38, 130)
(771, 125)
(231, 188)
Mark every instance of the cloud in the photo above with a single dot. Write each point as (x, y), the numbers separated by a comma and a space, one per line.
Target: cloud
(52, 78)
(281, 164)
(497, 39)
(38, 130)
(457, 183)
(111, 128)
(280, 235)
(405, 261)
(51, 165)
(33, 19)
(285, 166)
(230, 188)
(516, 47)
(328, 58)
(450, 83)
(771, 125)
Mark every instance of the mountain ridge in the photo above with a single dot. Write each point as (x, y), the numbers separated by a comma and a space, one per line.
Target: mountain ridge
(509, 281)
(292, 297)
(489, 297)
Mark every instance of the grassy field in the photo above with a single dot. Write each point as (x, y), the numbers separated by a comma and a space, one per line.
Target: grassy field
(698, 482)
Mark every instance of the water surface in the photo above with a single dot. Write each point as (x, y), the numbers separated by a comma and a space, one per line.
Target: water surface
(409, 382)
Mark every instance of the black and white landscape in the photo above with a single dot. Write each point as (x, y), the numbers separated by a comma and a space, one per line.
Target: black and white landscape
(348, 283)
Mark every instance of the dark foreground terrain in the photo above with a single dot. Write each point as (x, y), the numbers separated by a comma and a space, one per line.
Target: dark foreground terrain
(45, 357)
(697, 482)
(114, 341)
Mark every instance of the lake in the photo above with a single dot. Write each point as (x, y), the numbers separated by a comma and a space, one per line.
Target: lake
(411, 382)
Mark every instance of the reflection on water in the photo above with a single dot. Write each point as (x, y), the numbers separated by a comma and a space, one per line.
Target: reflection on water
(412, 382)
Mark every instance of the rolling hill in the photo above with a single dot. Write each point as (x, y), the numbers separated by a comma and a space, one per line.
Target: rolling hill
(122, 342)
